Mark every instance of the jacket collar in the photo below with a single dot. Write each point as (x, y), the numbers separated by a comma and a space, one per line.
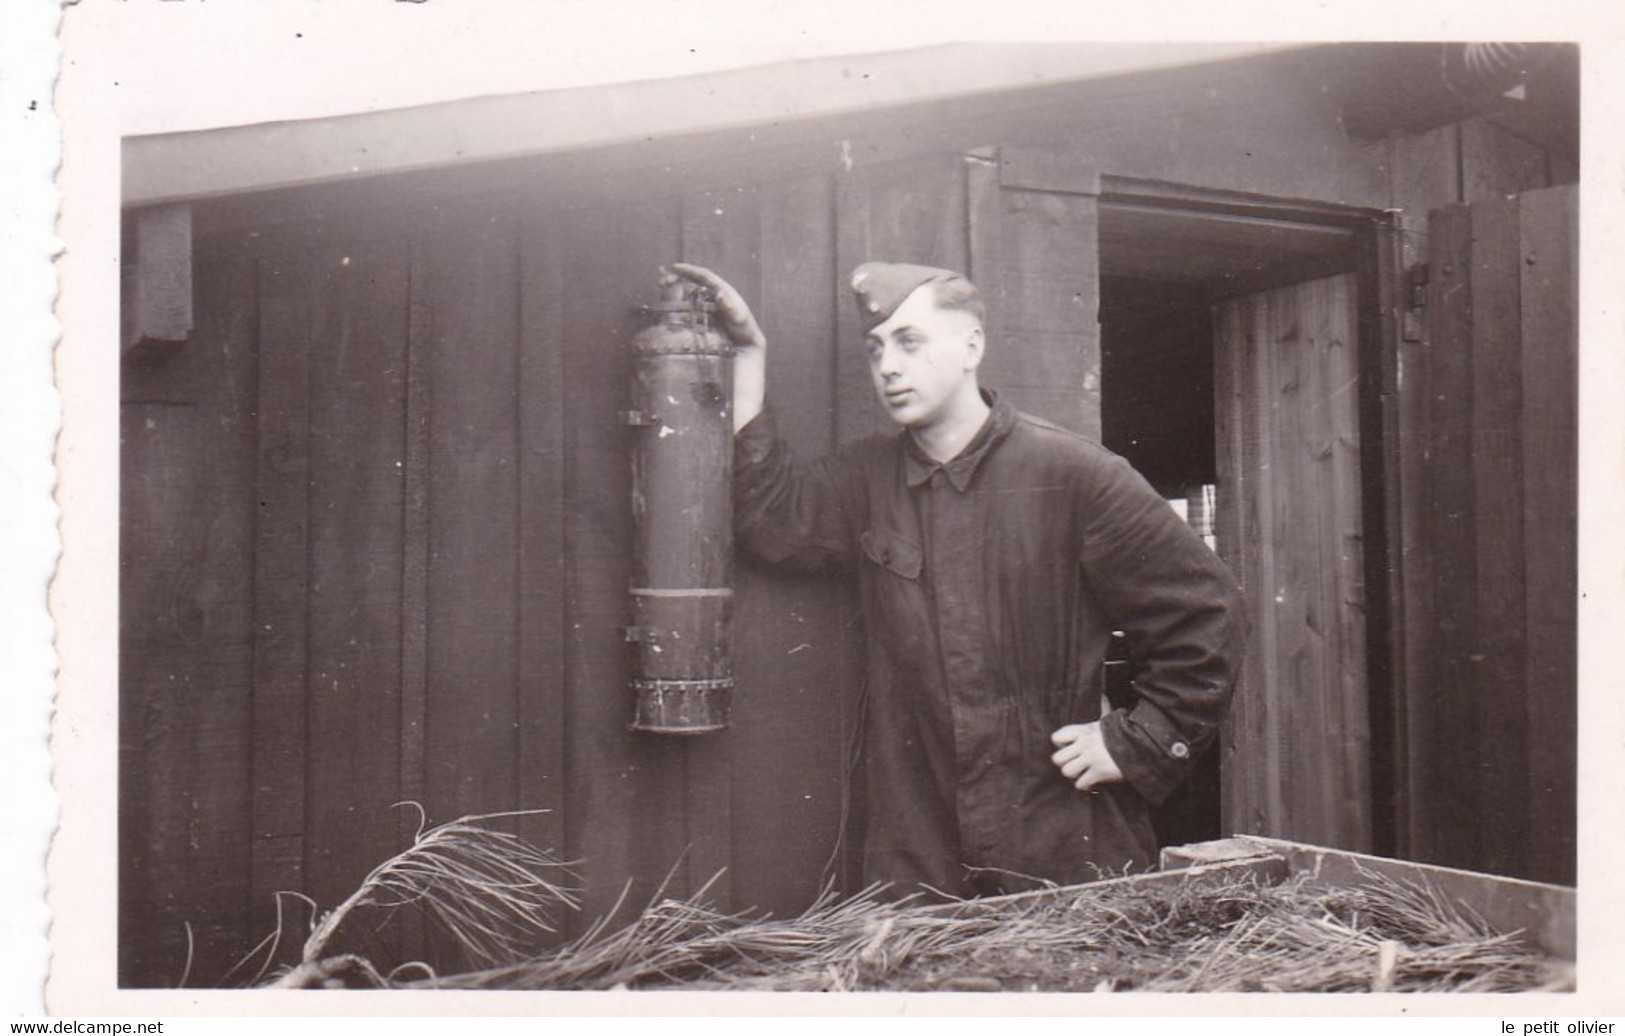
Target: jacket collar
(918, 467)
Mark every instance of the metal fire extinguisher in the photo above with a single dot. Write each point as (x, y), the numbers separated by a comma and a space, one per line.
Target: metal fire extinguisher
(682, 465)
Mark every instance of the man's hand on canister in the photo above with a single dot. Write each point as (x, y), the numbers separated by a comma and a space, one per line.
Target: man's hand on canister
(736, 321)
(1082, 757)
(733, 313)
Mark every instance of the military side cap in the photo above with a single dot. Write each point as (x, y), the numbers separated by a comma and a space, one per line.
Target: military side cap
(881, 287)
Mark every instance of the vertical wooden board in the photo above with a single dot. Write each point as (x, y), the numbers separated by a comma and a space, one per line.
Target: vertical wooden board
(1378, 289)
(1271, 712)
(1036, 256)
(469, 270)
(1417, 496)
(282, 476)
(1499, 652)
(466, 305)
(1300, 515)
(1232, 532)
(357, 417)
(1299, 429)
(624, 792)
(1344, 599)
(542, 598)
(1496, 164)
(1446, 760)
(910, 212)
(186, 640)
(1250, 765)
(415, 481)
(1423, 174)
(1227, 527)
(152, 497)
(157, 765)
(990, 268)
(1298, 692)
(721, 229)
(804, 292)
(1416, 592)
(789, 727)
(1297, 740)
(1548, 289)
(855, 415)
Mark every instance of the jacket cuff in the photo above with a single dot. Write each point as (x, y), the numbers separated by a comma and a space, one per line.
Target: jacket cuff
(1153, 755)
(754, 442)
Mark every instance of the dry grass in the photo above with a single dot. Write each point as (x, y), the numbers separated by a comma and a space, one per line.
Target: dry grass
(1231, 936)
(494, 895)
(492, 892)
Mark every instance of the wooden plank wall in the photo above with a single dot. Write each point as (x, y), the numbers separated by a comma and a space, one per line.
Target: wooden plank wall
(186, 703)
(1444, 599)
(377, 532)
(1492, 745)
(1297, 745)
(1035, 254)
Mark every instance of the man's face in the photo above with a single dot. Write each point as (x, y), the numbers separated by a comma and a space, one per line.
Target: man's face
(923, 359)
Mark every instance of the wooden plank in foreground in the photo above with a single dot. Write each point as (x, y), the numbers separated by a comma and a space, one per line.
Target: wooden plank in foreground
(1269, 868)
(1543, 914)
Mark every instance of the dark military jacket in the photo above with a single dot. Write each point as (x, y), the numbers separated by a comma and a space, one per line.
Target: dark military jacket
(991, 585)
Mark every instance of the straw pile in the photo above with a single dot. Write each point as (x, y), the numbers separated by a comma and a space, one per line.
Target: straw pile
(1226, 933)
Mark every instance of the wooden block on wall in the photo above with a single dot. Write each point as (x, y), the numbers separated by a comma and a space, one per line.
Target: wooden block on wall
(158, 300)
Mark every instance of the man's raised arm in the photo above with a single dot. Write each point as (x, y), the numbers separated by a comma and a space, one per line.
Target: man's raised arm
(750, 345)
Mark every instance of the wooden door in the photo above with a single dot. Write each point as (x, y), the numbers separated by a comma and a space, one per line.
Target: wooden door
(1296, 760)
(1489, 446)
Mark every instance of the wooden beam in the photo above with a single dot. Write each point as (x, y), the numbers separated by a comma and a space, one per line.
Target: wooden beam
(1247, 129)
(245, 158)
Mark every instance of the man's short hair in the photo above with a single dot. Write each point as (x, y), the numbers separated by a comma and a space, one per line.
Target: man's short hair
(957, 293)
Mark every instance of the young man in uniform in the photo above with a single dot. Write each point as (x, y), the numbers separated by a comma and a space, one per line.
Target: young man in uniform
(995, 554)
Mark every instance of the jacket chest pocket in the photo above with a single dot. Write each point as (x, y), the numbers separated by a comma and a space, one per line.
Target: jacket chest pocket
(893, 552)
(896, 595)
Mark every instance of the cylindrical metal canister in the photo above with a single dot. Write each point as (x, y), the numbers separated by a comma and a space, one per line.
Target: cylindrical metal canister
(682, 464)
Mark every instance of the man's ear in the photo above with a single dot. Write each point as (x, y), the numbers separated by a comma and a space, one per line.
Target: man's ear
(975, 345)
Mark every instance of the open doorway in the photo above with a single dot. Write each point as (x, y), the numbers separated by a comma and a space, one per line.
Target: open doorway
(1157, 411)
(1229, 378)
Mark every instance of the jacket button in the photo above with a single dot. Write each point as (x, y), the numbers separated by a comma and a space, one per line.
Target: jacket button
(885, 556)
(1179, 750)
